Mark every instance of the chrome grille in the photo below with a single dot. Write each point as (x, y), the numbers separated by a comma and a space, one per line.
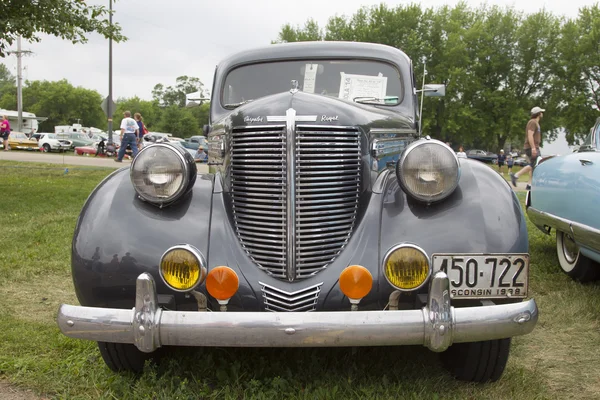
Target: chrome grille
(327, 189)
(279, 300)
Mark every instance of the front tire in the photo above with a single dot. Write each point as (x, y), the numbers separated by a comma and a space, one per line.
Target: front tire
(572, 262)
(477, 361)
(46, 148)
(122, 357)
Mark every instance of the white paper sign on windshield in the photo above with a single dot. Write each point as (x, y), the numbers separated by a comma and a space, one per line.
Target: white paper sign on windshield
(310, 77)
(353, 86)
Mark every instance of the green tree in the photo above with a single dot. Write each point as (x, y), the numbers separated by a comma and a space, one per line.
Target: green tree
(67, 19)
(61, 103)
(151, 112)
(178, 121)
(175, 95)
(7, 80)
(579, 73)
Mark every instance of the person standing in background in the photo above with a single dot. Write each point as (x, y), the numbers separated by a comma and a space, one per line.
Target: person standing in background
(5, 132)
(501, 161)
(509, 163)
(533, 138)
(141, 129)
(129, 133)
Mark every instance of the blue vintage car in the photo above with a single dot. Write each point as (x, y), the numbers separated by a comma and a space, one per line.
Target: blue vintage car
(564, 196)
(325, 220)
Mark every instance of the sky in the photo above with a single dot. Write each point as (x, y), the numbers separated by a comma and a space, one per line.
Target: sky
(171, 38)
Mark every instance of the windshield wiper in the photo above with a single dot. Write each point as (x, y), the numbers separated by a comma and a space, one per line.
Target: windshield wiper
(375, 100)
(234, 105)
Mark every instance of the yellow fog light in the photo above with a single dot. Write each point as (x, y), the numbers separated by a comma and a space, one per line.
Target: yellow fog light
(406, 267)
(356, 282)
(182, 268)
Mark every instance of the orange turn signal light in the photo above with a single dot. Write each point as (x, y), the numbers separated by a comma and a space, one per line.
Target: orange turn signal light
(356, 282)
(222, 283)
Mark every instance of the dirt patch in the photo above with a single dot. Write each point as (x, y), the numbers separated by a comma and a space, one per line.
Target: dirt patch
(11, 392)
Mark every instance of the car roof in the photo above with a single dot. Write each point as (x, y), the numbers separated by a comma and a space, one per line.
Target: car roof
(315, 50)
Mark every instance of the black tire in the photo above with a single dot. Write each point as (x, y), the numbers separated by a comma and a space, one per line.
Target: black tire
(477, 361)
(46, 148)
(121, 357)
(572, 262)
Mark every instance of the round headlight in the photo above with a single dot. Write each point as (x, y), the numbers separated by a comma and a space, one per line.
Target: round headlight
(406, 267)
(428, 170)
(183, 267)
(161, 173)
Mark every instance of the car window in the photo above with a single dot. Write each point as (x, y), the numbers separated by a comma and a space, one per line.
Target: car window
(18, 135)
(345, 79)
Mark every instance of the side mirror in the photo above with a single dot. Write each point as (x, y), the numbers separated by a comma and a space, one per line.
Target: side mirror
(205, 129)
(434, 90)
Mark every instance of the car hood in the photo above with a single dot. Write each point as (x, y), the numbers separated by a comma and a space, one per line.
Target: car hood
(319, 109)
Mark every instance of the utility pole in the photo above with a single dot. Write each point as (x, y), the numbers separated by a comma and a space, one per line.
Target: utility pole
(19, 87)
(19, 54)
(109, 109)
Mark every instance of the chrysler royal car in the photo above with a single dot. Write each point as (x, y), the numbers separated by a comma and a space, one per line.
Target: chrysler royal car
(326, 220)
(564, 196)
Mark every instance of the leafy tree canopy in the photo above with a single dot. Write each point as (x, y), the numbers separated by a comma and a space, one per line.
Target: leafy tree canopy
(175, 95)
(67, 19)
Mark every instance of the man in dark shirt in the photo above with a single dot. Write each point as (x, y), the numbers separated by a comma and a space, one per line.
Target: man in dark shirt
(533, 138)
(501, 160)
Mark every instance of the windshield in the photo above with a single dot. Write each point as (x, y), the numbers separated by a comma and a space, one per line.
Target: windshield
(355, 80)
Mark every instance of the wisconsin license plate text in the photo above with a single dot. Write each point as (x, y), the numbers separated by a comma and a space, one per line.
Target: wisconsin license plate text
(485, 276)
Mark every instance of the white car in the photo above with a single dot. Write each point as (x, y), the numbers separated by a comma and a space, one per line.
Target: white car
(49, 142)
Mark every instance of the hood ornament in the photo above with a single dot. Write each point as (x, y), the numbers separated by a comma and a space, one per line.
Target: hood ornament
(294, 87)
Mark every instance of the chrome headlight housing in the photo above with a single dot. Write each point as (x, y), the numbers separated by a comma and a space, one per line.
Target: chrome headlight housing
(428, 170)
(162, 173)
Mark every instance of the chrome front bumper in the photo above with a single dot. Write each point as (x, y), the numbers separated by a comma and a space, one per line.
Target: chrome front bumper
(436, 326)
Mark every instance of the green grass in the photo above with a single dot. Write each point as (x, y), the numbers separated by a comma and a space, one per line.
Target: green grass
(560, 359)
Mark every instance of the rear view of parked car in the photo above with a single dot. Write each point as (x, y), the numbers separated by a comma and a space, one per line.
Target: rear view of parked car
(483, 156)
(564, 196)
(325, 221)
(76, 139)
(50, 142)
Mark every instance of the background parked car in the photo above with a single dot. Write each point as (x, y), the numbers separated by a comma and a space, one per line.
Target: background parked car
(194, 142)
(564, 196)
(50, 142)
(76, 139)
(483, 156)
(521, 161)
(20, 141)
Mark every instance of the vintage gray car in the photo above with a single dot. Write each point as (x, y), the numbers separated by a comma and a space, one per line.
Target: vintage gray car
(325, 221)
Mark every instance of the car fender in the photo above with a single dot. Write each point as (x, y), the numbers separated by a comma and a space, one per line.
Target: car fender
(483, 215)
(118, 236)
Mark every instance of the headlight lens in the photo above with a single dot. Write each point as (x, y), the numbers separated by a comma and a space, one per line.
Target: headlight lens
(428, 170)
(161, 174)
(182, 268)
(406, 267)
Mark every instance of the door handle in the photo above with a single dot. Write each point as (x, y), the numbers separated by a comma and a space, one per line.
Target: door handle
(585, 162)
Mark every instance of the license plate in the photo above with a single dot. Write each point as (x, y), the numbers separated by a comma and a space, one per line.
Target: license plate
(485, 276)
